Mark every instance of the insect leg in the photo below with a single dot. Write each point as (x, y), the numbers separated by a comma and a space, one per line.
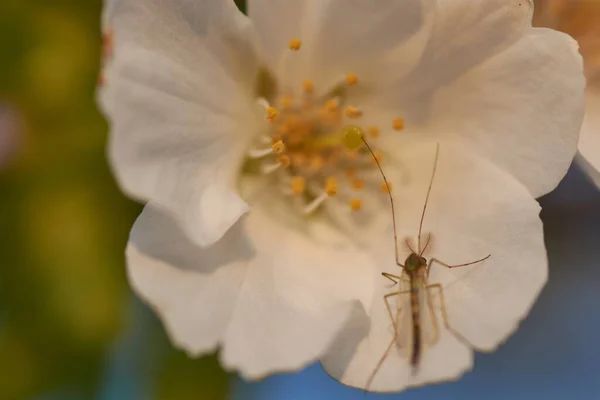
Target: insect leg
(379, 364)
(391, 277)
(389, 348)
(456, 266)
(445, 316)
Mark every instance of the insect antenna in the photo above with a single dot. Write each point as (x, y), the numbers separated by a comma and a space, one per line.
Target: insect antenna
(435, 162)
(389, 191)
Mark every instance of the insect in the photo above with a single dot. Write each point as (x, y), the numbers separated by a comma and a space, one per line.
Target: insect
(415, 273)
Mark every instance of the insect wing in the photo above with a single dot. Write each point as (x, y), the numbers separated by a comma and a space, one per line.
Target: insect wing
(429, 319)
(400, 323)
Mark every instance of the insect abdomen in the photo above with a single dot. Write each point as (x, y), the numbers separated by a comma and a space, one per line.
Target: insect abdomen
(416, 320)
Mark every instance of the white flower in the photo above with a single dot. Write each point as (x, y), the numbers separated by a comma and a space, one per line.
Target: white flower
(580, 19)
(196, 134)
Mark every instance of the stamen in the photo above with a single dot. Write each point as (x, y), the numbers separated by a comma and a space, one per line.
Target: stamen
(386, 188)
(259, 153)
(263, 102)
(331, 186)
(316, 162)
(275, 139)
(398, 124)
(350, 173)
(313, 205)
(353, 112)
(278, 147)
(298, 185)
(374, 131)
(269, 168)
(298, 160)
(272, 113)
(286, 102)
(295, 44)
(308, 86)
(351, 79)
(284, 160)
(283, 129)
(358, 184)
(355, 204)
(332, 105)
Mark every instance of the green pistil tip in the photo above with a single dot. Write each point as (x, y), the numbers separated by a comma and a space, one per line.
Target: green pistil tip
(352, 137)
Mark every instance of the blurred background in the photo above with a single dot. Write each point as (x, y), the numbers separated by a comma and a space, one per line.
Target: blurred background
(70, 327)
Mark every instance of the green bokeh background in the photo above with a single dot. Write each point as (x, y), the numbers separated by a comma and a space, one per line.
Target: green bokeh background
(63, 290)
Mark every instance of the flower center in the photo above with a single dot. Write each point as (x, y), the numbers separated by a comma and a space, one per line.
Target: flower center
(308, 151)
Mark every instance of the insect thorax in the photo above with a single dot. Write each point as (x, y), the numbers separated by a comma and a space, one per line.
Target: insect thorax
(414, 262)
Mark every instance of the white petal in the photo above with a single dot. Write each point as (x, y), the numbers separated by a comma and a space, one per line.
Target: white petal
(273, 298)
(523, 108)
(460, 35)
(298, 296)
(475, 209)
(180, 107)
(339, 36)
(194, 290)
(589, 139)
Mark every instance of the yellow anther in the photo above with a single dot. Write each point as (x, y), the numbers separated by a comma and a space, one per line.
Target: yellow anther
(284, 160)
(352, 137)
(331, 105)
(272, 113)
(353, 112)
(316, 162)
(350, 173)
(308, 86)
(286, 102)
(398, 124)
(278, 147)
(355, 204)
(358, 184)
(351, 79)
(386, 188)
(374, 131)
(298, 184)
(295, 44)
(331, 186)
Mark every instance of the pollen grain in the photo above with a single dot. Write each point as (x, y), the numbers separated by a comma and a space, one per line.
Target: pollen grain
(295, 44)
(398, 124)
(351, 79)
(355, 204)
(298, 185)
